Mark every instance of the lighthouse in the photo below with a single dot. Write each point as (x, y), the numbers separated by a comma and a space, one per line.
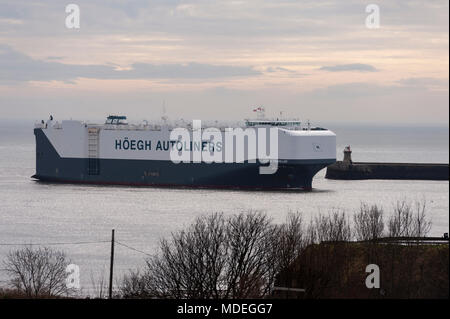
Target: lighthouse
(347, 155)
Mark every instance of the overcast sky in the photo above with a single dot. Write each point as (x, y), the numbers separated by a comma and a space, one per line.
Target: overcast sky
(217, 59)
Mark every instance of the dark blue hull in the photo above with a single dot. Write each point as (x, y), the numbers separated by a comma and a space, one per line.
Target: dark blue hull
(51, 167)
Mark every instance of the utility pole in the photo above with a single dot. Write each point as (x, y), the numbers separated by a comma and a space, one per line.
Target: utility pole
(111, 266)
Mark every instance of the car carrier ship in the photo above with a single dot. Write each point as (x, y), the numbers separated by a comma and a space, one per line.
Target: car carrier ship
(118, 153)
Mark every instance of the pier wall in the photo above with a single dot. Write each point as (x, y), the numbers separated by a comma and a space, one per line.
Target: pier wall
(362, 170)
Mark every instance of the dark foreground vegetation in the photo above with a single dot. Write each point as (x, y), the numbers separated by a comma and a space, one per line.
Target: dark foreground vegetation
(249, 256)
(337, 270)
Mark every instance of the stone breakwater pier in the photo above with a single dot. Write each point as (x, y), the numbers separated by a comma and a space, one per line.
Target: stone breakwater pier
(347, 169)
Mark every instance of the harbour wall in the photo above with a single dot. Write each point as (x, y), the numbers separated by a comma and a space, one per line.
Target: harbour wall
(366, 170)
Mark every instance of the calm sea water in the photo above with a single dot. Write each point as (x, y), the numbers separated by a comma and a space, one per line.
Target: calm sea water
(38, 213)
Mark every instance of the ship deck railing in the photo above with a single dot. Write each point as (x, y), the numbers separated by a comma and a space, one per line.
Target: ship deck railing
(402, 240)
(161, 126)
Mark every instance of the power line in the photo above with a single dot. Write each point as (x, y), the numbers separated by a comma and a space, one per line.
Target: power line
(77, 243)
(132, 248)
(55, 244)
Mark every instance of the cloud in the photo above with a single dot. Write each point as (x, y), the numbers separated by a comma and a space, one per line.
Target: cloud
(352, 91)
(360, 67)
(271, 42)
(10, 21)
(51, 57)
(353, 102)
(424, 82)
(18, 67)
(278, 69)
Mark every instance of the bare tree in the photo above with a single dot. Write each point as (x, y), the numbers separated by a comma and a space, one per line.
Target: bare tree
(368, 222)
(250, 250)
(38, 272)
(421, 225)
(311, 233)
(332, 227)
(99, 286)
(240, 256)
(405, 222)
(217, 257)
(291, 239)
(135, 285)
(400, 221)
(191, 264)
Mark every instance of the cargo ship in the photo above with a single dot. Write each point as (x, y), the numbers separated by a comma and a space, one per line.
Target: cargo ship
(118, 153)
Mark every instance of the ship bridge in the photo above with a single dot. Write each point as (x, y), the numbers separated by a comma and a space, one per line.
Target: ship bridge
(261, 120)
(277, 122)
(116, 120)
